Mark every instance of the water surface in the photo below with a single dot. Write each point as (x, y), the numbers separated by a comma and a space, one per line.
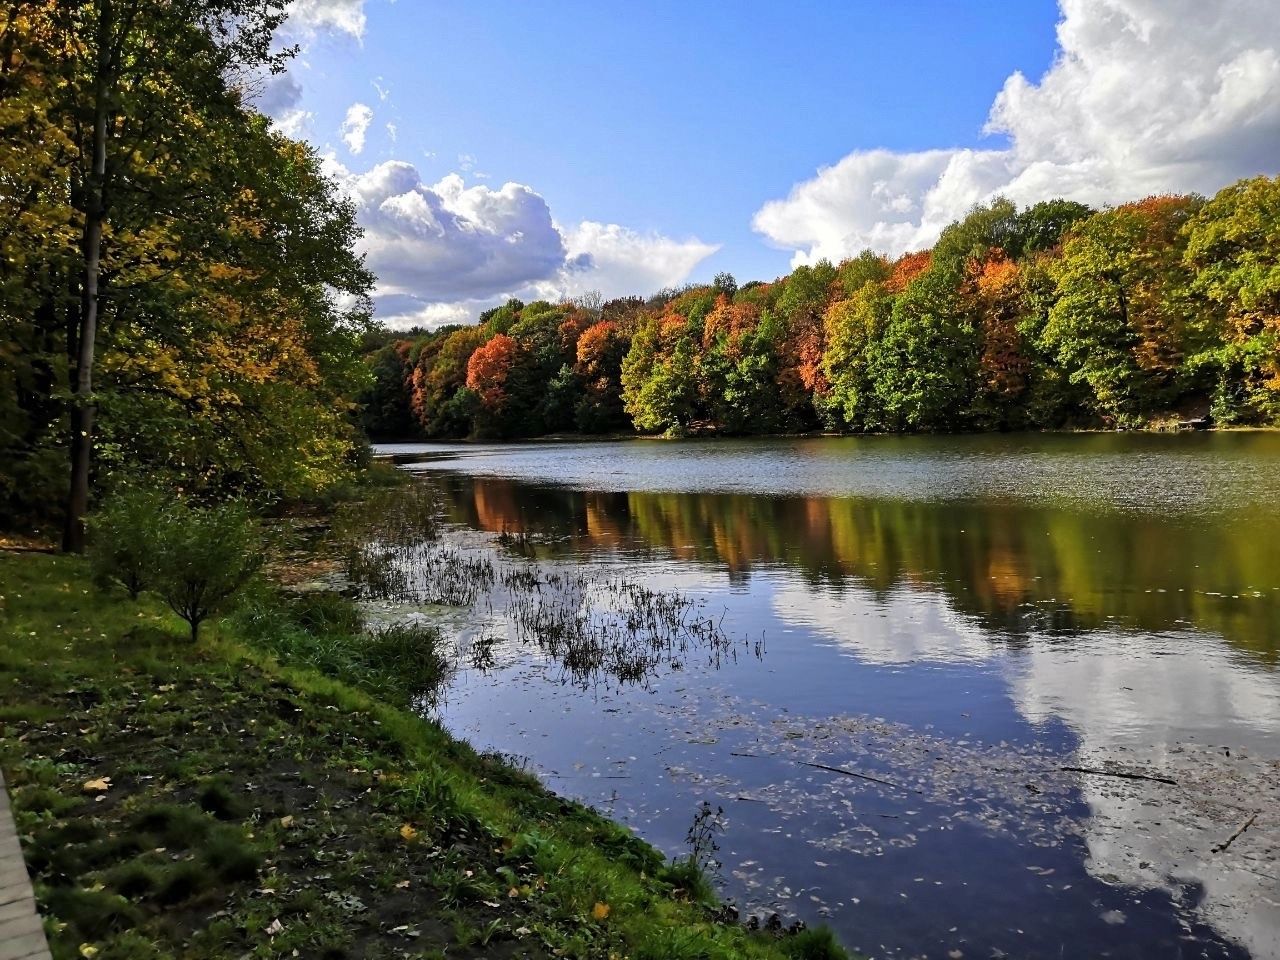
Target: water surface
(931, 630)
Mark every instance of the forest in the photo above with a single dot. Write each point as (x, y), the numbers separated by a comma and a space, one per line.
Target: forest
(1051, 316)
(181, 302)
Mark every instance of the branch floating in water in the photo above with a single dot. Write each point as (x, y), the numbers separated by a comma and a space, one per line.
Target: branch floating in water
(1120, 773)
(1232, 839)
(850, 773)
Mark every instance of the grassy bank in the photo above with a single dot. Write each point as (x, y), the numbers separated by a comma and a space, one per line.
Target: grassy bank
(215, 802)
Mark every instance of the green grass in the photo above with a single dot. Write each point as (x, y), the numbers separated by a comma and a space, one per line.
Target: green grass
(256, 807)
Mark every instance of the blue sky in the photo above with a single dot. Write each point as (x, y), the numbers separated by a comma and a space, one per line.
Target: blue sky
(669, 123)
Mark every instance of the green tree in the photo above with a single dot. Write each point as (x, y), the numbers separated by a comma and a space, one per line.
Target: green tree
(203, 557)
(127, 50)
(1233, 247)
(854, 327)
(1123, 322)
(924, 366)
(659, 383)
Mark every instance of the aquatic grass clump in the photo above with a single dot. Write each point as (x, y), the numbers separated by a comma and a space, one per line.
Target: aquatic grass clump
(403, 662)
(420, 573)
(595, 626)
(609, 627)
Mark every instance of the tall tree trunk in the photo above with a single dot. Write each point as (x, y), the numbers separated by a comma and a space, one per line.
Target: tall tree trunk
(82, 409)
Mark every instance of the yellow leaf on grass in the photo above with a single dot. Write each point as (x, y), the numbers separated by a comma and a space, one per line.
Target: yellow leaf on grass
(88, 950)
(97, 786)
(407, 832)
(600, 911)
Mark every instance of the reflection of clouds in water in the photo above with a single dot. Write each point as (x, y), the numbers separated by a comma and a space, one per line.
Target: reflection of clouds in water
(1134, 700)
(902, 626)
(1140, 697)
(1115, 688)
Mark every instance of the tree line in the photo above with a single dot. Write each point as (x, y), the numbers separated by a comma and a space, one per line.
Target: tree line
(180, 298)
(1051, 316)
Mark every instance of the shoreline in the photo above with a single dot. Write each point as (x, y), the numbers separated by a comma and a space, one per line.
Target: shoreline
(221, 801)
(816, 435)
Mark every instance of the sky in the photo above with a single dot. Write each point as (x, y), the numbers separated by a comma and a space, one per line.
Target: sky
(498, 148)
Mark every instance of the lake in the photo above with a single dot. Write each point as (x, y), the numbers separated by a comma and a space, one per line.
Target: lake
(956, 696)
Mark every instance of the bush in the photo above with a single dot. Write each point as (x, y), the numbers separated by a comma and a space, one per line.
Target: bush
(325, 611)
(398, 663)
(196, 558)
(125, 536)
(204, 556)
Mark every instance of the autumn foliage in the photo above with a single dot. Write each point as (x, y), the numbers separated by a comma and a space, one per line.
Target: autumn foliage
(1054, 315)
(180, 296)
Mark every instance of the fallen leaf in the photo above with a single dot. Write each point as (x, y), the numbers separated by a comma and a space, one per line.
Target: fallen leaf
(600, 911)
(286, 822)
(88, 950)
(408, 832)
(275, 927)
(97, 786)
(402, 885)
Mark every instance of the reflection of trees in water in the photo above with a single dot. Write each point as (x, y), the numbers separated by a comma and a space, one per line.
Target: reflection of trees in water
(1015, 565)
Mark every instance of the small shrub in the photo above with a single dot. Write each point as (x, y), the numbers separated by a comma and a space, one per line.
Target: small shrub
(408, 657)
(134, 880)
(688, 881)
(205, 556)
(90, 914)
(399, 663)
(181, 882)
(173, 825)
(124, 537)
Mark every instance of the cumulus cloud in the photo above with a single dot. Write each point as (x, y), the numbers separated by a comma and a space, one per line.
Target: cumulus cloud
(443, 252)
(355, 126)
(344, 16)
(448, 242)
(1144, 96)
(617, 261)
(279, 96)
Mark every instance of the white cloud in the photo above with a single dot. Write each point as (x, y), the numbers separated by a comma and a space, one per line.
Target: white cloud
(279, 96)
(620, 262)
(407, 314)
(355, 126)
(443, 252)
(447, 241)
(344, 16)
(1144, 96)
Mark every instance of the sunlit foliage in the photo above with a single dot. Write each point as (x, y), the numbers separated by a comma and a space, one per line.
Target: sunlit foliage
(1048, 316)
(179, 292)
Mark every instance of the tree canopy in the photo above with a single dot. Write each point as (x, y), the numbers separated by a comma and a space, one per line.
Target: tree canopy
(180, 296)
(1049, 316)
